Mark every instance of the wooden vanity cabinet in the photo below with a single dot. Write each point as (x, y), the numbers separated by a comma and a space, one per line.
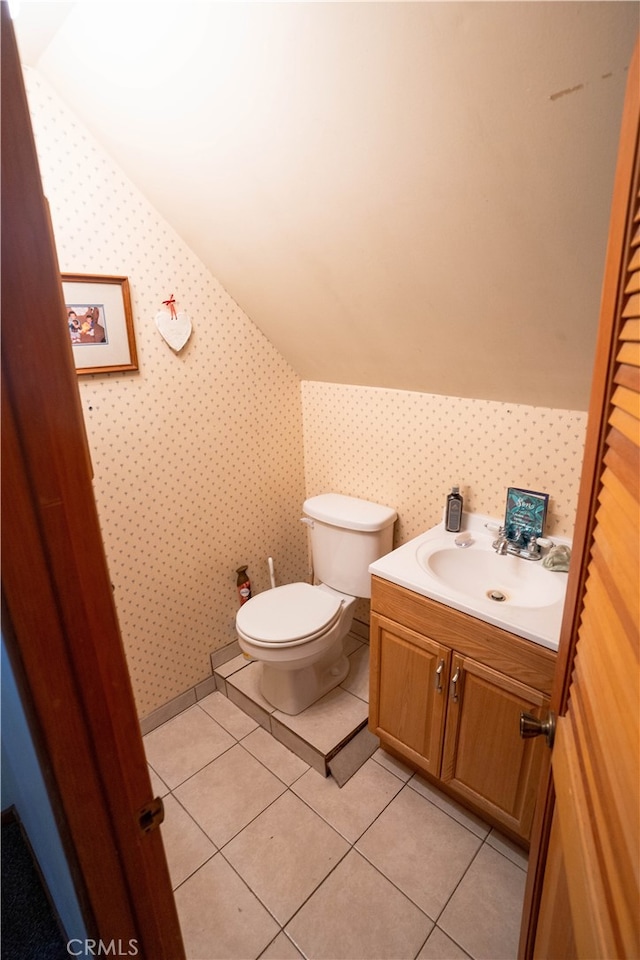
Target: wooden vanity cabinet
(485, 761)
(446, 693)
(411, 675)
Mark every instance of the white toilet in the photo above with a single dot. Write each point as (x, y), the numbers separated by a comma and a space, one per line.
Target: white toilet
(296, 630)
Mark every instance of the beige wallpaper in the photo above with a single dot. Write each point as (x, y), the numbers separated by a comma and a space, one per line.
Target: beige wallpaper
(407, 449)
(201, 460)
(198, 457)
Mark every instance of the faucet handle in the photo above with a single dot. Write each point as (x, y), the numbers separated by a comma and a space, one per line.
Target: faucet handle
(533, 547)
(536, 544)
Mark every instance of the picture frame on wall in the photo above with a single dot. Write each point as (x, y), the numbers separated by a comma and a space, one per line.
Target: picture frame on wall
(100, 322)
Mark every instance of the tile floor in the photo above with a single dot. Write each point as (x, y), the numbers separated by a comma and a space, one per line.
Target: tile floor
(271, 859)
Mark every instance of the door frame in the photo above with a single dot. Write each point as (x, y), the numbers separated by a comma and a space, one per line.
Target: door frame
(59, 617)
(590, 486)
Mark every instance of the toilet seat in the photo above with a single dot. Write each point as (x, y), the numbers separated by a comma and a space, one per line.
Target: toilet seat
(292, 614)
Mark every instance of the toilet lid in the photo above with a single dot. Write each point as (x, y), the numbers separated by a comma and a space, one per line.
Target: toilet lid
(291, 612)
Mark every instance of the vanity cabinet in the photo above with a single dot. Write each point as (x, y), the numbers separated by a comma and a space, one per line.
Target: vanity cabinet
(409, 673)
(446, 693)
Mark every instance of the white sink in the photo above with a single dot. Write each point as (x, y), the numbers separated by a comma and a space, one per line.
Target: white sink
(519, 595)
(480, 574)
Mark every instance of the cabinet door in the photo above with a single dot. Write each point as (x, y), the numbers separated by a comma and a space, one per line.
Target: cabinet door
(408, 680)
(485, 760)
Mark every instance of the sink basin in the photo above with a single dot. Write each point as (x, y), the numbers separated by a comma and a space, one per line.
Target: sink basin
(513, 593)
(480, 574)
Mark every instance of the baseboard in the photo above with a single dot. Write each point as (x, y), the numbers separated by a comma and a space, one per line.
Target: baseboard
(188, 697)
(202, 689)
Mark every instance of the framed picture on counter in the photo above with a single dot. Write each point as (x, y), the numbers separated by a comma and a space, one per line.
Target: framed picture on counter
(100, 322)
(526, 514)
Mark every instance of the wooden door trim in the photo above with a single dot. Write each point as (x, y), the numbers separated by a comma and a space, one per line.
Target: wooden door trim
(590, 485)
(60, 626)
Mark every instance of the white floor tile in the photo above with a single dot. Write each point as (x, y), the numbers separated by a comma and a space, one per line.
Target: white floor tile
(247, 682)
(281, 949)
(327, 721)
(224, 712)
(186, 846)
(158, 786)
(357, 872)
(441, 947)
(484, 914)
(357, 680)
(356, 914)
(275, 756)
(508, 849)
(184, 745)
(353, 807)
(225, 796)
(284, 854)
(395, 766)
(219, 916)
(421, 849)
(454, 809)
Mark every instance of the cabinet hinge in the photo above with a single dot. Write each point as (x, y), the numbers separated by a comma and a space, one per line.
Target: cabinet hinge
(151, 815)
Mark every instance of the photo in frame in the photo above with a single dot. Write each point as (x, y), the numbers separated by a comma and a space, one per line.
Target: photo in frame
(100, 323)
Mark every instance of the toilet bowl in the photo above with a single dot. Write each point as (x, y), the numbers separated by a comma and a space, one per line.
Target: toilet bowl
(297, 633)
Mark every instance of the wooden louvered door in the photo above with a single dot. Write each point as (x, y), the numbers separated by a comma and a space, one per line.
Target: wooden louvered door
(590, 894)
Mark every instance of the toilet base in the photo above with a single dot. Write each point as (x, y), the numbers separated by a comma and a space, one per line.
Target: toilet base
(293, 690)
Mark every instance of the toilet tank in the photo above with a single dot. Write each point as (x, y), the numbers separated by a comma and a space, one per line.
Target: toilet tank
(347, 534)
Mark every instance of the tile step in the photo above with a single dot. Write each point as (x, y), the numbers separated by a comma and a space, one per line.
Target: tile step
(337, 747)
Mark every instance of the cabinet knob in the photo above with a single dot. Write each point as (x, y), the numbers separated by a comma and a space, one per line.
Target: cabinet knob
(531, 726)
(439, 671)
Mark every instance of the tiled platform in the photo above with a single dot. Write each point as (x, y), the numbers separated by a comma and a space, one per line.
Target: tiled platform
(319, 733)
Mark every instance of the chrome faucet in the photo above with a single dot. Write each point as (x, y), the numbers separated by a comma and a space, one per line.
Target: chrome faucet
(501, 544)
(531, 550)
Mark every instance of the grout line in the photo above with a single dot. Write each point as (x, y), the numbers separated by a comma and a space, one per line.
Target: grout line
(199, 867)
(271, 943)
(463, 875)
(352, 845)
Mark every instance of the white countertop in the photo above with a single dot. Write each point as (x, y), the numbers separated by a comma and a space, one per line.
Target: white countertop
(537, 617)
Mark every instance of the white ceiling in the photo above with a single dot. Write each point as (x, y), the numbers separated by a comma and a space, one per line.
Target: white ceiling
(405, 195)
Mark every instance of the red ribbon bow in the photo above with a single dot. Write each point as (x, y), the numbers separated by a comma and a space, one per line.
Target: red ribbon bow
(170, 303)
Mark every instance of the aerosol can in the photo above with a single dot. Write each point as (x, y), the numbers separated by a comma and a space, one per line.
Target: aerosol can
(244, 585)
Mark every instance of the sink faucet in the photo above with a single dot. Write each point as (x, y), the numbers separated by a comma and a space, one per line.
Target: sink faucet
(533, 549)
(501, 544)
(516, 545)
(529, 550)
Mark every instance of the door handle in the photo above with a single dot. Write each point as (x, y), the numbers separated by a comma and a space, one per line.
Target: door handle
(531, 726)
(439, 671)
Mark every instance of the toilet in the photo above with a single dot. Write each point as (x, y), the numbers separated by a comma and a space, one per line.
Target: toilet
(296, 631)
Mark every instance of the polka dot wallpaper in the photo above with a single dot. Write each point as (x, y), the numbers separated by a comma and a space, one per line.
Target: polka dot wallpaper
(198, 457)
(407, 449)
(202, 459)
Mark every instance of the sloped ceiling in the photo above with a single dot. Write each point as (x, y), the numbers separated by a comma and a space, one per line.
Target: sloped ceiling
(405, 195)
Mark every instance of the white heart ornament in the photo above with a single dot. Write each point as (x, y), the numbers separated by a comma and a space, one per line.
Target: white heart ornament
(175, 328)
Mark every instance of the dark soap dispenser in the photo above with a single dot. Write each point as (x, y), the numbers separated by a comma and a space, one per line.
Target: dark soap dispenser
(453, 514)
